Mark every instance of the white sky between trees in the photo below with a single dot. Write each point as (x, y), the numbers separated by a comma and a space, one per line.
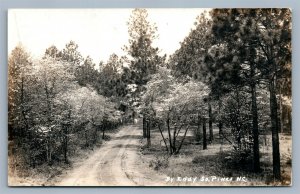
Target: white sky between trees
(98, 32)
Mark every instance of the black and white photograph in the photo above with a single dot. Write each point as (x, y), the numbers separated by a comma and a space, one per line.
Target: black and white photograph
(150, 97)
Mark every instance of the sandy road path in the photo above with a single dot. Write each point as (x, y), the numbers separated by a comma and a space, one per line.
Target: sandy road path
(115, 163)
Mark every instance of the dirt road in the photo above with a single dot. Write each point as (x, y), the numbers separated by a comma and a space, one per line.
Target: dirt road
(115, 163)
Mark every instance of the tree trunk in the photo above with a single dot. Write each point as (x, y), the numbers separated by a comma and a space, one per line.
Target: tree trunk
(95, 134)
(256, 164)
(275, 137)
(23, 132)
(220, 125)
(48, 101)
(144, 127)
(50, 152)
(198, 134)
(133, 117)
(86, 138)
(289, 120)
(238, 126)
(11, 132)
(47, 150)
(169, 133)
(103, 133)
(204, 134)
(66, 144)
(211, 135)
(164, 139)
(148, 133)
(174, 139)
(181, 143)
(281, 119)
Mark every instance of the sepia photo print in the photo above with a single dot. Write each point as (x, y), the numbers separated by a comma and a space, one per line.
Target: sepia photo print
(150, 97)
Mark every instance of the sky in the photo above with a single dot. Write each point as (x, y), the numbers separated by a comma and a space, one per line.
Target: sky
(98, 32)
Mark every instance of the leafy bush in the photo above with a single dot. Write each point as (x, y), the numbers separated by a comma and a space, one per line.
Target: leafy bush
(239, 160)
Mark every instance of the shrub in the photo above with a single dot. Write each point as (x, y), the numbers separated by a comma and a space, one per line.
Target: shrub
(159, 162)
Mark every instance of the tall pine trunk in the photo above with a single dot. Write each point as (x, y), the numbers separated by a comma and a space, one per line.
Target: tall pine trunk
(256, 164)
(204, 134)
(281, 118)
(274, 126)
(255, 131)
(144, 127)
(238, 126)
(220, 119)
(211, 135)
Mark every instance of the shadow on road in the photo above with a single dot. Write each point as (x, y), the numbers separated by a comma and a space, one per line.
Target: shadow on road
(127, 146)
(128, 137)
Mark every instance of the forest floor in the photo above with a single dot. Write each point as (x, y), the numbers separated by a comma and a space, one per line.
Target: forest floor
(217, 165)
(125, 160)
(20, 174)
